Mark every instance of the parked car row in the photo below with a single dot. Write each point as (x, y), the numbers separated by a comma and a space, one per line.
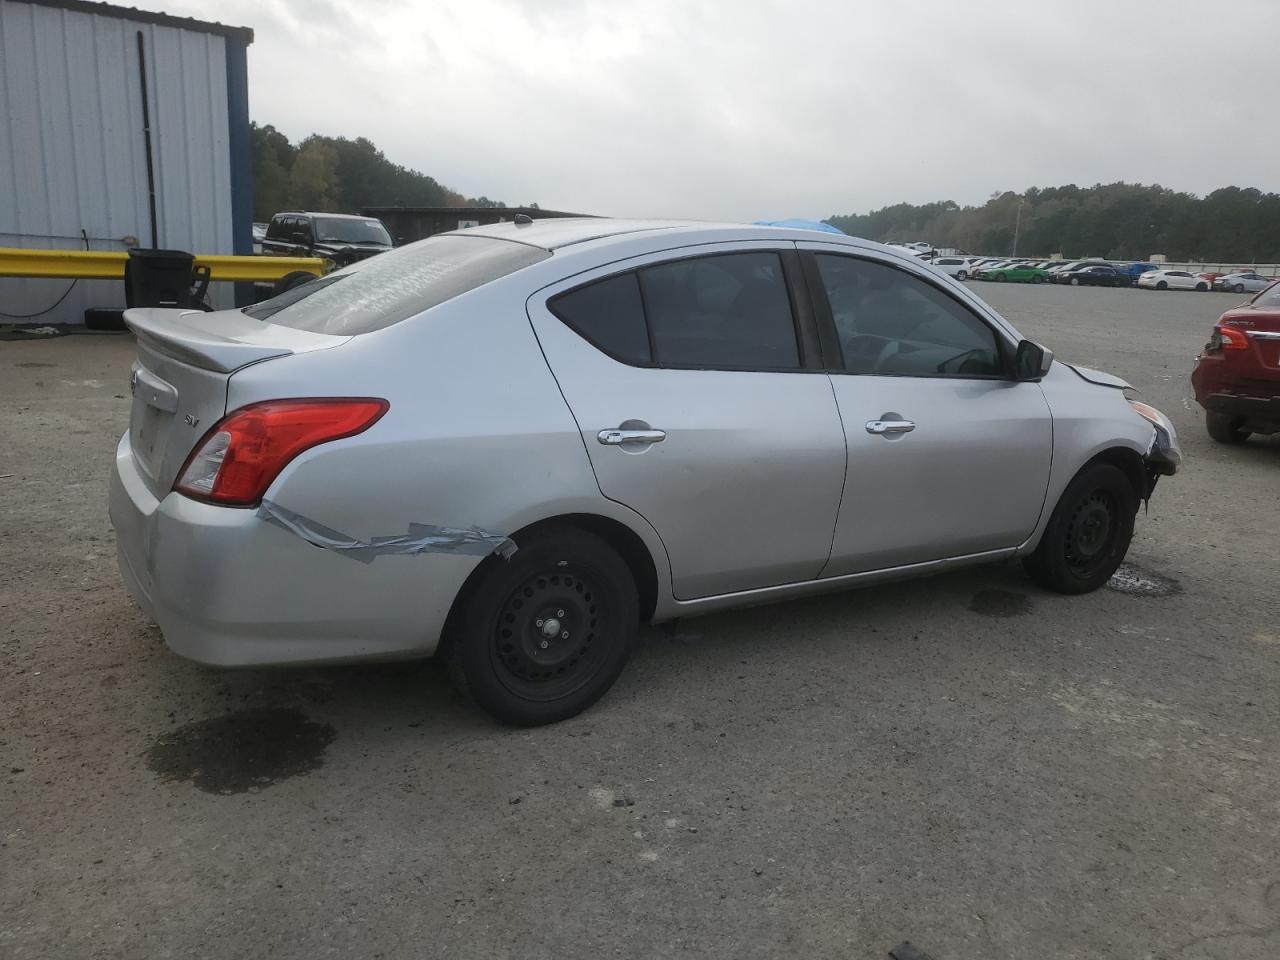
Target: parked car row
(1096, 273)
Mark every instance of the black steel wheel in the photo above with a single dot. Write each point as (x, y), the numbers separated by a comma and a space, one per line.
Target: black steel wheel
(542, 636)
(1088, 533)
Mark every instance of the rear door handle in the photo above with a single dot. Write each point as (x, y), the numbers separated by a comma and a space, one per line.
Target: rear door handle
(889, 426)
(619, 436)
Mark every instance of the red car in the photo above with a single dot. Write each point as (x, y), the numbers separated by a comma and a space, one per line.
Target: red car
(1237, 375)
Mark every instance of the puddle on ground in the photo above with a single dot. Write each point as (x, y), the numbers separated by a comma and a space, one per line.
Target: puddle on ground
(1000, 603)
(243, 751)
(1140, 582)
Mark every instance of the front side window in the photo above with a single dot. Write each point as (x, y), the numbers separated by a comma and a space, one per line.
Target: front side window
(727, 311)
(891, 323)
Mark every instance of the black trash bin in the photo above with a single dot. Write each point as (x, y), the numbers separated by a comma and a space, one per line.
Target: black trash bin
(158, 278)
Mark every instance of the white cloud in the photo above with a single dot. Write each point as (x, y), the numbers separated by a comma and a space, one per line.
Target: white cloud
(749, 110)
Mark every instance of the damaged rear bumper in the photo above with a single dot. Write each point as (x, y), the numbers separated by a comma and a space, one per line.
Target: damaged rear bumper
(230, 588)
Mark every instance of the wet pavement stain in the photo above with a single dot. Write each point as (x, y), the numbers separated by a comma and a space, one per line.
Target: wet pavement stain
(1000, 603)
(243, 751)
(1140, 582)
(33, 364)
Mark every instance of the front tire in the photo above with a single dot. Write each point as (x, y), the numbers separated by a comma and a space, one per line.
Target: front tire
(1238, 288)
(1001, 278)
(1225, 429)
(1075, 281)
(542, 636)
(1161, 285)
(1088, 534)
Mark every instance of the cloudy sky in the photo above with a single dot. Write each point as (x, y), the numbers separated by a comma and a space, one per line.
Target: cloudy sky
(752, 109)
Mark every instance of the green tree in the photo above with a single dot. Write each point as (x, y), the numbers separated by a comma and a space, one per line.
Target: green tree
(1114, 220)
(313, 181)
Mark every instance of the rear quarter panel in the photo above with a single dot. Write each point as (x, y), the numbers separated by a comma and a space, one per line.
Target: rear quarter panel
(477, 435)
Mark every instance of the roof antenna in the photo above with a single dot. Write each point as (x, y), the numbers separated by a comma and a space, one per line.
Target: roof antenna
(522, 219)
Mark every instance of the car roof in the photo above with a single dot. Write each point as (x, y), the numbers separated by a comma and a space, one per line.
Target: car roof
(321, 213)
(554, 233)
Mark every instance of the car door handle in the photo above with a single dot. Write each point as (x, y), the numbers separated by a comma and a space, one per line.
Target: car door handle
(890, 426)
(620, 436)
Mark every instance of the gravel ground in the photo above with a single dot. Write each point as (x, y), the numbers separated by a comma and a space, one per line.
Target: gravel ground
(968, 762)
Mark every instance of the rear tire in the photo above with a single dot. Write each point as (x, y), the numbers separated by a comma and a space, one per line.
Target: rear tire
(1201, 287)
(1037, 279)
(962, 275)
(1088, 534)
(542, 636)
(1225, 429)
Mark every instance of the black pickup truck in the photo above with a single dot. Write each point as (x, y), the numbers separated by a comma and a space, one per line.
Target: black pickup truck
(339, 237)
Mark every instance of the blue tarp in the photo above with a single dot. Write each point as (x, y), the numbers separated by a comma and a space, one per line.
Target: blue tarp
(802, 225)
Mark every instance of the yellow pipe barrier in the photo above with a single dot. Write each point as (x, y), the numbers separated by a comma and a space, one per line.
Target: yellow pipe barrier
(109, 265)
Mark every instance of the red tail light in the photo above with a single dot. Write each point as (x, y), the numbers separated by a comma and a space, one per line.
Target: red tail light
(246, 450)
(1229, 338)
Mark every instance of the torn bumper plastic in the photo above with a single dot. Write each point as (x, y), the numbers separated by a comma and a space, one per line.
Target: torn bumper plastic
(420, 538)
(230, 588)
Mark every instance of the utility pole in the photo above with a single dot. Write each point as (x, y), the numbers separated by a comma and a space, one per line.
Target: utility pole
(1017, 227)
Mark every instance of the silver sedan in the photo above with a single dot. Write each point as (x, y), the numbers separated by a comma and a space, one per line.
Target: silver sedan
(1244, 281)
(513, 444)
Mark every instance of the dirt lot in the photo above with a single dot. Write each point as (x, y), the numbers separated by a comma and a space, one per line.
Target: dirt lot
(968, 763)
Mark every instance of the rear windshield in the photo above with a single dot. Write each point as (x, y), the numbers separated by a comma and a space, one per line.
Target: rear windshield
(393, 286)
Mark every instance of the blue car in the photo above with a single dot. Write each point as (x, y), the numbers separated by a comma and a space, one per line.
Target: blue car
(1135, 270)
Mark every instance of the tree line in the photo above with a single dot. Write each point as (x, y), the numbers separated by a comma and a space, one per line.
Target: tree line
(1117, 221)
(337, 175)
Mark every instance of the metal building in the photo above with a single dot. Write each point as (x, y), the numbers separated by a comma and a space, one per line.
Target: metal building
(120, 128)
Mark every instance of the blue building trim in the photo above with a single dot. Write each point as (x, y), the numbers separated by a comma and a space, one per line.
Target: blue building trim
(241, 148)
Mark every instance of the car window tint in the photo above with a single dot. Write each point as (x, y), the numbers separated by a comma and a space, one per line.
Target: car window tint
(728, 311)
(393, 286)
(610, 315)
(275, 229)
(892, 323)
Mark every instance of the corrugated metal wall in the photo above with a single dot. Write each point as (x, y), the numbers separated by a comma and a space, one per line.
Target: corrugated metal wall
(72, 155)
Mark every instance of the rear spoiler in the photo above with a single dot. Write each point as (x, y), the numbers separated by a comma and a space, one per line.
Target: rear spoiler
(223, 341)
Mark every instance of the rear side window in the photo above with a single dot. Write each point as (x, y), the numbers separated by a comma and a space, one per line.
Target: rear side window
(729, 311)
(609, 314)
(377, 292)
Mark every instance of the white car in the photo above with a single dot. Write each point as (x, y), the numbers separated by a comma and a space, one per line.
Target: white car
(1172, 280)
(958, 267)
(1244, 281)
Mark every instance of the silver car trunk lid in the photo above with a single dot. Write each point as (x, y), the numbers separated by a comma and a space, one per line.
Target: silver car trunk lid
(179, 381)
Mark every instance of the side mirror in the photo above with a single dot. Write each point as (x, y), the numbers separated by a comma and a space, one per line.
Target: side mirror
(1032, 361)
